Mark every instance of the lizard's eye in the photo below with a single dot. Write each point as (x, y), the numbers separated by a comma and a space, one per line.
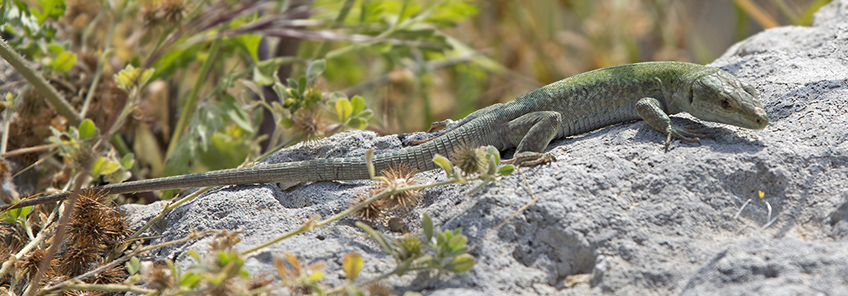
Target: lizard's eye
(725, 104)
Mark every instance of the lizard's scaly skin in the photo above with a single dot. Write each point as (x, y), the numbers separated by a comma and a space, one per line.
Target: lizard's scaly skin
(585, 102)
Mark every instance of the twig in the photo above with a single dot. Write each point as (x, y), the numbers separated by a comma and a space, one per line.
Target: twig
(40, 84)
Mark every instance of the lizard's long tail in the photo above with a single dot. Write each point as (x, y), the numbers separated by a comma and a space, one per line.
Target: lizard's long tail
(349, 168)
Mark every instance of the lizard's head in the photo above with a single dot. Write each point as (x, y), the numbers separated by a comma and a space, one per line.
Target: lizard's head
(721, 97)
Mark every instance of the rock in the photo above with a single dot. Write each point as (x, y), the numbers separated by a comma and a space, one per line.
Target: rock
(615, 214)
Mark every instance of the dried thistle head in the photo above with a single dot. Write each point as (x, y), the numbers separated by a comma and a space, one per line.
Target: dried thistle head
(224, 241)
(399, 176)
(308, 123)
(13, 236)
(82, 293)
(157, 275)
(372, 212)
(469, 159)
(114, 275)
(83, 158)
(94, 223)
(28, 265)
(379, 289)
(173, 10)
(77, 259)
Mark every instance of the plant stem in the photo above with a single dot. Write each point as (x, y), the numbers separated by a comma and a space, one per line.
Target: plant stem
(40, 84)
(191, 101)
(106, 287)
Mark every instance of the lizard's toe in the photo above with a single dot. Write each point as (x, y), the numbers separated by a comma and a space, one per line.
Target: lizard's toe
(689, 134)
(529, 158)
(438, 125)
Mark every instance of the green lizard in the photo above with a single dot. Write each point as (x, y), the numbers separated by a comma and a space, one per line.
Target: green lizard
(582, 103)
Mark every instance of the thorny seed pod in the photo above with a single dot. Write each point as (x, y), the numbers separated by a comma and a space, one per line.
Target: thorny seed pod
(469, 159)
(372, 212)
(400, 176)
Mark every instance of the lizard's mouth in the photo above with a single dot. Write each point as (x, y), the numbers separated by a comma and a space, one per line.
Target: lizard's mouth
(761, 119)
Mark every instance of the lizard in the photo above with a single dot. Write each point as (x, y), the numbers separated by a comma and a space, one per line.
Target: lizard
(649, 91)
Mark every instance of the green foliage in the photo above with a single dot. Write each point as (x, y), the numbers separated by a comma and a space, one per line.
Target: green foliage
(446, 250)
(15, 216)
(50, 9)
(64, 61)
(352, 114)
(131, 79)
(87, 129)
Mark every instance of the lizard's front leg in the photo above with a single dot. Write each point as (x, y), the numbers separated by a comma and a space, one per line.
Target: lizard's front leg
(532, 132)
(651, 112)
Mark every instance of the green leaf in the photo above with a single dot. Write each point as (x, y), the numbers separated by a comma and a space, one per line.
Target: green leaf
(358, 123)
(146, 74)
(344, 109)
(427, 226)
(285, 122)
(109, 167)
(86, 129)
(315, 276)
(366, 115)
(55, 48)
(314, 71)
(358, 104)
(491, 150)
(189, 280)
(250, 43)
(450, 12)
(460, 264)
(98, 165)
(263, 72)
(301, 85)
(64, 62)
(133, 265)
(128, 161)
(243, 274)
(444, 163)
(352, 264)
(457, 244)
(14, 215)
(53, 9)
(506, 170)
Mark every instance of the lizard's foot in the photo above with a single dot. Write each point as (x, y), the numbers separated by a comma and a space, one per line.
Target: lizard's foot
(528, 158)
(438, 125)
(688, 134)
(434, 127)
(419, 142)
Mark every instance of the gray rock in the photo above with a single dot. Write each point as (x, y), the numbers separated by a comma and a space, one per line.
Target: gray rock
(638, 220)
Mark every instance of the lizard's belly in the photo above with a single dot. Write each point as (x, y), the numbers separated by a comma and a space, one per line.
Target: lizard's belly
(597, 114)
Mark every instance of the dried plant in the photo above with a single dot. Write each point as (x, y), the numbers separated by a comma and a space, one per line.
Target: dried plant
(469, 159)
(399, 176)
(372, 212)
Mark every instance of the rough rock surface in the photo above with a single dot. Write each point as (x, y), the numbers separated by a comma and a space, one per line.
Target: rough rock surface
(637, 220)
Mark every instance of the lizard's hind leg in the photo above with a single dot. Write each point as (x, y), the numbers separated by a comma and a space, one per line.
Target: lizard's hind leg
(533, 132)
(447, 125)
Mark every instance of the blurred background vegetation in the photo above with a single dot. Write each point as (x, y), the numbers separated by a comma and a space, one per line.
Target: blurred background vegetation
(177, 86)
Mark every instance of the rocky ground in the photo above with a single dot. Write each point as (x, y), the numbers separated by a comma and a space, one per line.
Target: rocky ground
(615, 208)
